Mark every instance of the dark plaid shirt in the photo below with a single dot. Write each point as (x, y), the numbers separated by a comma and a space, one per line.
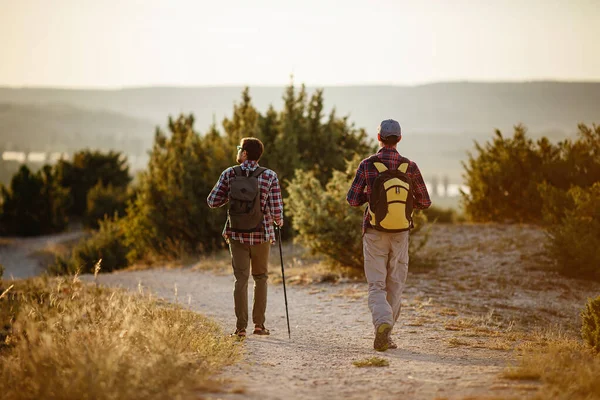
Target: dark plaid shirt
(270, 202)
(366, 174)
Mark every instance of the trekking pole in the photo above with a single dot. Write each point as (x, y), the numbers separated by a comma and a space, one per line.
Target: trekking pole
(287, 315)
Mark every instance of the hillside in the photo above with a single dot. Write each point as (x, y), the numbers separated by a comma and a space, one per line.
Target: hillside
(472, 108)
(440, 120)
(64, 127)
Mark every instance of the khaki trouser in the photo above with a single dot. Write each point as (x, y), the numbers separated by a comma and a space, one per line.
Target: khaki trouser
(242, 255)
(386, 267)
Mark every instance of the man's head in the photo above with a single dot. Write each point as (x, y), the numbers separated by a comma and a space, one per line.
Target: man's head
(250, 148)
(389, 133)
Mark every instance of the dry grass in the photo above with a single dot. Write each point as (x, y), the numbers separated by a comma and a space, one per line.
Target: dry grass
(371, 362)
(353, 293)
(66, 340)
(564, 366)
(217, 262)
(455, 342)
(485, 324)
(496, 344)
(419, 321)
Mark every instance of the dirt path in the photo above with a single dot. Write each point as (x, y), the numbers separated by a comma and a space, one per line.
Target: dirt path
(18, 255)
(331, 328)
(454, 334)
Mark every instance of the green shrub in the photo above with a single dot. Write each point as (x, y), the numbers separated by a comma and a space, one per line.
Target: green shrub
(169, 216)
(575, 230)
(590, 324)
(505, 175)
(106, 244)
(104, 201)
(327, 225)
(34, 204)
(503, 179)
(324, 222)
(86, 170)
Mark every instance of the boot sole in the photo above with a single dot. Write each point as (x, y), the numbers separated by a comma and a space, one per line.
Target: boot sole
(381, 342)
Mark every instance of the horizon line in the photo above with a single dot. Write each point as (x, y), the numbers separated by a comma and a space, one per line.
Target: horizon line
(343, 85)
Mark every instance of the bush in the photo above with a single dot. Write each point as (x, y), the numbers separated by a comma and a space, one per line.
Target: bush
(590, 324)
(506, 174)
(169, 216)
(575, 230)
(503, 180)
(86, 170)
(104, 201)
(107, 244)
(324, 222)
(327, 225)
(34, 204)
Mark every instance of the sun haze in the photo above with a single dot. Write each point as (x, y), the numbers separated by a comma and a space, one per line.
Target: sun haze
(116, 43)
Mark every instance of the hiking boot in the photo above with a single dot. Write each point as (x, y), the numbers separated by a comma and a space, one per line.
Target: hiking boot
(261, 330)
(382, 334)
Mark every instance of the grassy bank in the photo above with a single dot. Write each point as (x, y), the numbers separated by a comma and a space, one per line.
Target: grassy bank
(562, 366)
(60, 338)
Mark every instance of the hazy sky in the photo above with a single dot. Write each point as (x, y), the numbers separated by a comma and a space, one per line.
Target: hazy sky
(116, 43)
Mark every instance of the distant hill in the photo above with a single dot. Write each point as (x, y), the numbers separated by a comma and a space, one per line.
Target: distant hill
(440, 108)
(440, 120)
(65, 128)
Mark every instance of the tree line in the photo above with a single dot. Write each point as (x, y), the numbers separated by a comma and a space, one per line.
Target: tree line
(163, 214)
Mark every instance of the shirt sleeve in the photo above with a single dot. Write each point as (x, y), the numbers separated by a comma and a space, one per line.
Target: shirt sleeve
(276, 201)
(219, 195)
(422, 200)
(356, 195)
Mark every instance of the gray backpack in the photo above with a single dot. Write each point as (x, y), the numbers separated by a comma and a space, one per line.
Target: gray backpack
(245, 213)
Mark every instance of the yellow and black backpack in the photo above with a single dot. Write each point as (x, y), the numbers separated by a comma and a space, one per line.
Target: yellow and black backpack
(391, 201)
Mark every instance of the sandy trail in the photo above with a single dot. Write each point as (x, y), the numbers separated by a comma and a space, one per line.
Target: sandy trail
(17, 255)
(451, 333)
(329, 332)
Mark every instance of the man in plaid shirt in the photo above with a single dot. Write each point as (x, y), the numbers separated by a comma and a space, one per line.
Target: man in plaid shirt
(385, 253)
(250, 248)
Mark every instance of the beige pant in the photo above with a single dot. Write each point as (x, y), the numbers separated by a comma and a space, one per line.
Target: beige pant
(386, 267)
(242, 255)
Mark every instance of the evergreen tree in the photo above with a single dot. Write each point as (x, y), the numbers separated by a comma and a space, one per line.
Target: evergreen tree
(34, 204)
(243, 123)
(169, 216)
(86, 170)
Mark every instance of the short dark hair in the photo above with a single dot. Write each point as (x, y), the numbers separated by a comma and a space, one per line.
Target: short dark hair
(390, 140)
(253, 147)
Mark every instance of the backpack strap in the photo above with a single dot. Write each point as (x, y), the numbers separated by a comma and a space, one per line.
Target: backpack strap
(258, 172)
(238, 171)
(404, 164)
(377, 164)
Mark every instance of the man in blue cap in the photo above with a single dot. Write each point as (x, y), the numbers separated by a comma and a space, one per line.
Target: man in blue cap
(393, 186)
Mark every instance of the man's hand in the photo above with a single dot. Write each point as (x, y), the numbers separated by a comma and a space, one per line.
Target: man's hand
(279, 224)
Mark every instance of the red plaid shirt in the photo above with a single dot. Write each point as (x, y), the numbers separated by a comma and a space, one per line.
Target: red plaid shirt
(270, 201)
(366, 174)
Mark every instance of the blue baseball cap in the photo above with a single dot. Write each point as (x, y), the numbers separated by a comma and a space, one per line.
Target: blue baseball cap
(389, 127)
